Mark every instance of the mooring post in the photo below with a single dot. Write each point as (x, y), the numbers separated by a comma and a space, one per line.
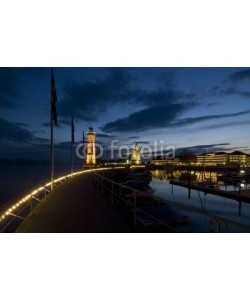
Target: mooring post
(172, 189)
(189, 189)
(217, 226)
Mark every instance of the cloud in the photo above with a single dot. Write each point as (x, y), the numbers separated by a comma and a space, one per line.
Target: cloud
(239, 76)
(227, 90)
(47, 124)
(161, 96)
(103, 135)
(206, 148)
(22, 124)
(148, 118)
(85, 100)
(11, 132)
(15, 133)
(223, 125)
(211, 148)
(191, 121)
(199, 148)
(143, 142)
(9, 93)
(63, 145)
(211, 104)
(39, 73)
(230, 86)
(161, 116)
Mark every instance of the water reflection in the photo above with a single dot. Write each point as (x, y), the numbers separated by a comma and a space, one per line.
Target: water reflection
(212, 204)
(223, 181)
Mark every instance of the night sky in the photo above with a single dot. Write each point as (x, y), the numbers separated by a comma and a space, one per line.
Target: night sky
(205, 109)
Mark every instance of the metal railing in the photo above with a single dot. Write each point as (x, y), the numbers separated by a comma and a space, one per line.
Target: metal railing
(107, 184)
(12, 214)
(131, 201)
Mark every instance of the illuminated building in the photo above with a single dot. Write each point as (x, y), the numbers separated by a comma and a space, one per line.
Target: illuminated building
(91, 154)
(237, 158)
(213, 159)
(162, 162)
(248, 160)
(135, 155)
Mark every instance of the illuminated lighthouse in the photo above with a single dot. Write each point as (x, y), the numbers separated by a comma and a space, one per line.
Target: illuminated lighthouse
(91, 155)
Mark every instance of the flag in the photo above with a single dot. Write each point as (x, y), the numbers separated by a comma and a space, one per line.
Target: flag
(72, 131)
(53, 99)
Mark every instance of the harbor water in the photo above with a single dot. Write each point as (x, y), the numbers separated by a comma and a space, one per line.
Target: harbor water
(212, 204)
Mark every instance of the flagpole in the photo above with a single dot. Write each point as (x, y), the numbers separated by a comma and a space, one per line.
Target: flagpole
(71, 159)
(72, 142)
(83, 149)
(53, 119)
(51, 145)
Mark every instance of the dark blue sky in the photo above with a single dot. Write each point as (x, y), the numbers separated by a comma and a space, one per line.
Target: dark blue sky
(204, 108)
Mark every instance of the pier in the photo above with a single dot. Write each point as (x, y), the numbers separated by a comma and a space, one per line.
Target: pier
(75, 207)
(88, 203)
(241, 196)
(92, 201)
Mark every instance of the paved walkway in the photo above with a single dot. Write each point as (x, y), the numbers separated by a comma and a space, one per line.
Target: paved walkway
(75, 206)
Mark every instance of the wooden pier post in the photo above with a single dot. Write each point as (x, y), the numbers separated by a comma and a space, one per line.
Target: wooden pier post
(189, 188)
(217, 226)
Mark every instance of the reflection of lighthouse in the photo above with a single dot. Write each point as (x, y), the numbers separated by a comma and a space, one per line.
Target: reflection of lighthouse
(91, 156)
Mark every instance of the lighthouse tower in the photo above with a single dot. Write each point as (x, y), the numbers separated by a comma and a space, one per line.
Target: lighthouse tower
(91, 155)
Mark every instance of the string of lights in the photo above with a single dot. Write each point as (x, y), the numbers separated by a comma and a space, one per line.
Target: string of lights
(9, 211)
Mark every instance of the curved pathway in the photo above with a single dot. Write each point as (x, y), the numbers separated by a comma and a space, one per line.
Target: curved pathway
(75, 206)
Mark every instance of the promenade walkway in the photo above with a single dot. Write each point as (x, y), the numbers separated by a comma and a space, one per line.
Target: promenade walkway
(75, 206)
